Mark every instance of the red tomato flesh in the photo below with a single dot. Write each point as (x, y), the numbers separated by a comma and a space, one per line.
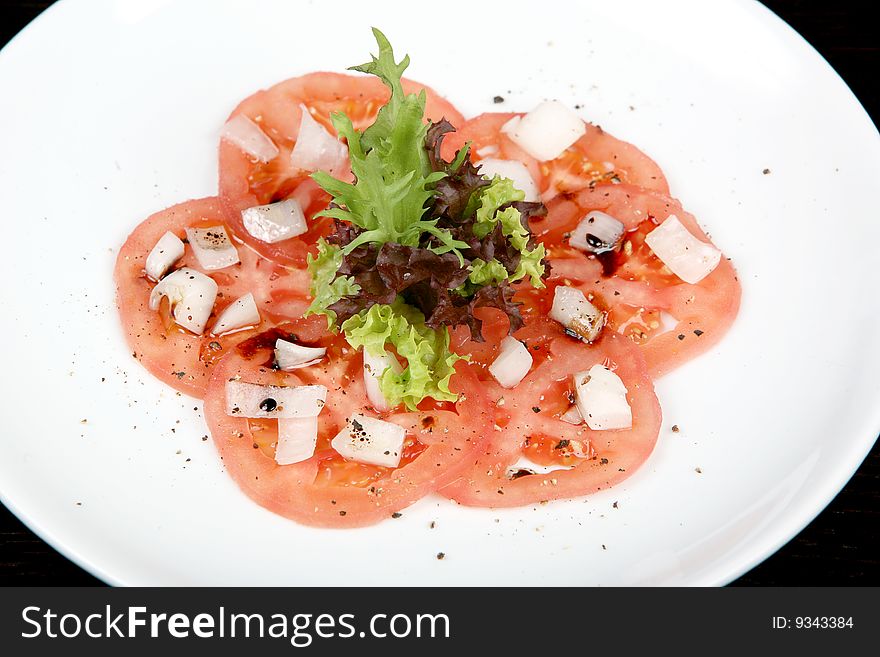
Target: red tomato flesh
(596, 159)
(245, 182)
(326, 490)
(174, 355)
(528, 424)
(641, 287)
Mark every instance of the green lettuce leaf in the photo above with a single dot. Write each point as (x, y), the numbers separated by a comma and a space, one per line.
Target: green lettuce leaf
(430, 363)
(326, 287)
(394, 182)
(497, 195)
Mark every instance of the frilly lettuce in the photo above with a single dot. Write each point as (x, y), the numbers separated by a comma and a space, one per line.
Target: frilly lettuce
(430, 363)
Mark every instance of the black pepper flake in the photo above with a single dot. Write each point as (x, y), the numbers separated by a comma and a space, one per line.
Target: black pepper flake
(766, 171)
(698, 332)
(614, 505)
(522, 472)
(536, 409)
(342, 513)
(681, 336)
(268, 405)
(433, 524)
(396, 515)
(204, 438)
(675, 428)
(498, 99)
(603, 461)
(441, 556)
(562, 444)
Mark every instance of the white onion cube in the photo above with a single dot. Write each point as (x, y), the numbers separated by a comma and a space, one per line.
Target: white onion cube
(368, 440)
(250, 138)
(597, 233)
(686, 256)
(168, 250)
(572, 309)
(512, 363)
(315, 148)
(514, 170)
(276, 221)
(546, 131)
(241, 313)
(191, 295)
(297, 437)
(374, 368)
(258, 401)
(572, 415)
(212, 247)
(601, 399)
(291, 356)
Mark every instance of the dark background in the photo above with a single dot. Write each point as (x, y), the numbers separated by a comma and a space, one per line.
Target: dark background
(840, 547)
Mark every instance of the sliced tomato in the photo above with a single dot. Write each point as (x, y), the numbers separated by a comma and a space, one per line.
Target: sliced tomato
(596, 159)
(672, 321)
(245, 182)
(528, 424)
(327, 490)
(174, 355)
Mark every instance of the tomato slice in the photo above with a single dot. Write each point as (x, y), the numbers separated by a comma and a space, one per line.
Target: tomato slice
(174, 355)
(326, 490)
(672, 321)
(528, 424)
(245, 182)
(596, 159)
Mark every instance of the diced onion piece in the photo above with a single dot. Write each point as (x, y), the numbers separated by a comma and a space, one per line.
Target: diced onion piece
(572, 415)
(512, 363)
(546, 131)
(212, 247)
(250, 138)
(667, 321)
(315, 148)
(276, 221)
(191, 295)
(572, 309)
(241, 313)
(601, 399)
(168, 250)
(597, 233)
(255, 401)
(486, 151)
(292, 356)
(297, 437)
(516, 171)
(686, 256)
(368, 440)
(374, 368)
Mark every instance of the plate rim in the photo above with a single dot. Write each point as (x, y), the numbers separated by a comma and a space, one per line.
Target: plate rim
(722, 572)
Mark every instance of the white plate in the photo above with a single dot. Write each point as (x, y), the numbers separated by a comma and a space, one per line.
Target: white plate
(111, 111)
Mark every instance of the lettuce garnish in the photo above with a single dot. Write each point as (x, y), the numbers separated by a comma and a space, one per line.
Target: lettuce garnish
(418, 243)
(394, 180)
(430, 362)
